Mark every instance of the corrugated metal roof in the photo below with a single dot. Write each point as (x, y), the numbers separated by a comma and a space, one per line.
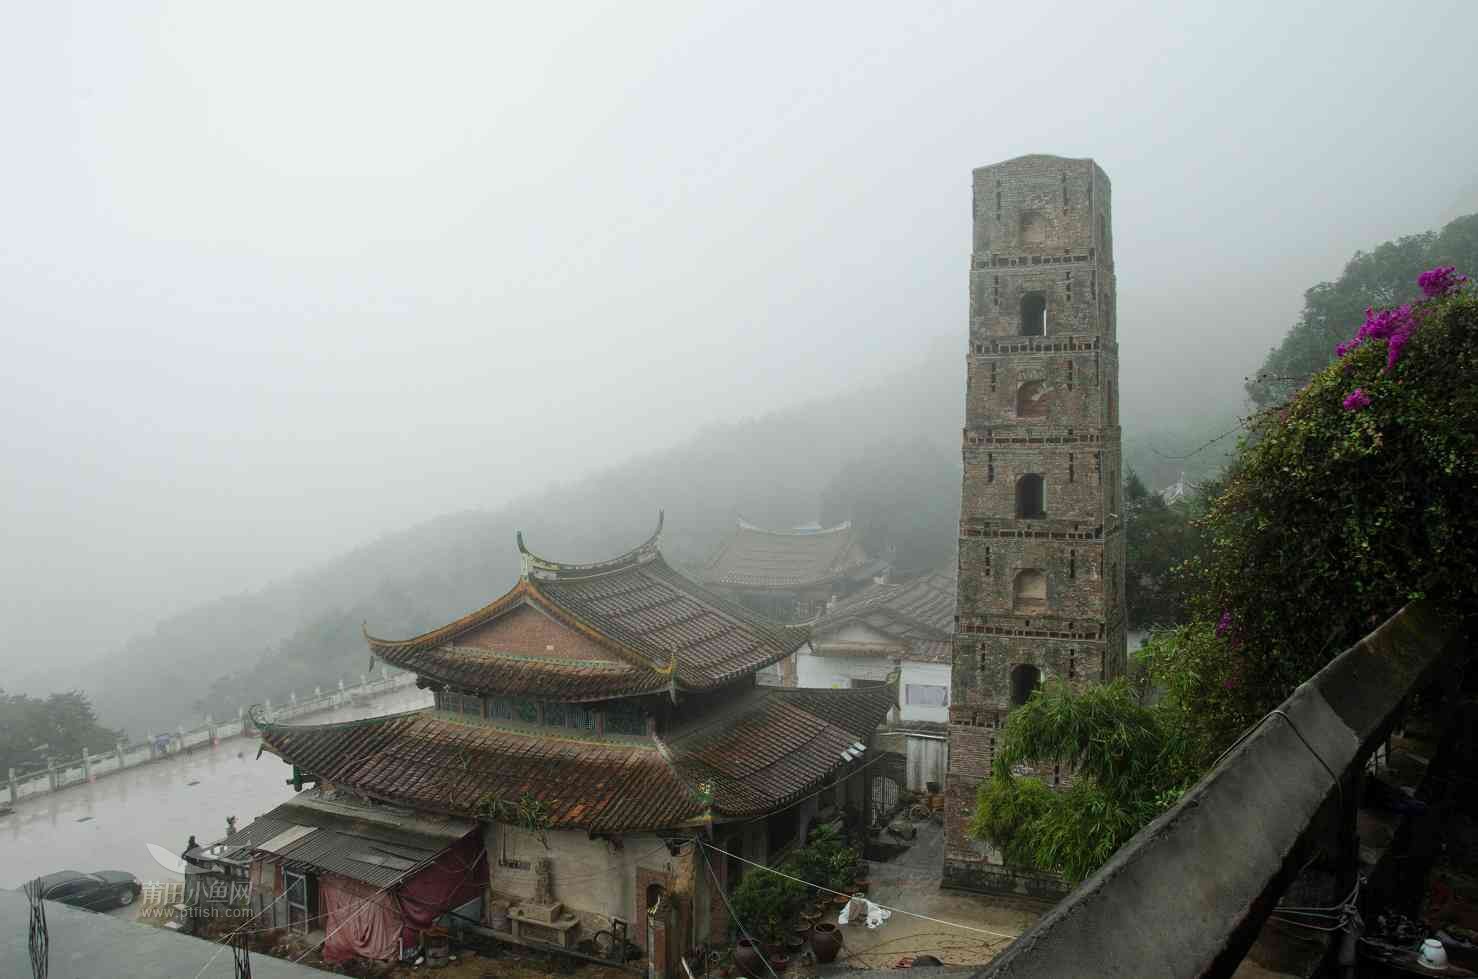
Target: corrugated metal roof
(286, 838)
(353, 841)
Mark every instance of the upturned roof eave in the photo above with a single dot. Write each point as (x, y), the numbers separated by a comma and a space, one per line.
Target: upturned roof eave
(530, 589)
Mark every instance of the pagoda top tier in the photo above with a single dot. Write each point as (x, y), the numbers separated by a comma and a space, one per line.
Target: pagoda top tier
(622, 627)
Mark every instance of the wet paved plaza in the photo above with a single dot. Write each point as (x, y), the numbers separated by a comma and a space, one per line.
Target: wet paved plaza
(106, 825)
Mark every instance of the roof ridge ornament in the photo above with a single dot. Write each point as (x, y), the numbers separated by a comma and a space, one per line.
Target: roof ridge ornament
(532, 565)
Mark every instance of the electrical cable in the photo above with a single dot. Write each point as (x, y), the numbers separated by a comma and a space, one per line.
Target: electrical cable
(223, 945)
(718, 886)
(1338, 784)
(880, 756)
(911, 914)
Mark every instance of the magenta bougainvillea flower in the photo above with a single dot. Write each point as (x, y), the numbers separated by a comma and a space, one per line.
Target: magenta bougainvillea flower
(1224, 624)
(1439, 281)
(1395, 326)
(1356, 400)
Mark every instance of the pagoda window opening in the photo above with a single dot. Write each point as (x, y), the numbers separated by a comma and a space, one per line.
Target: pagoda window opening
(1031, 497)
(1029, 591)
(1025, 679)
(1031, 400)
(1034, 314)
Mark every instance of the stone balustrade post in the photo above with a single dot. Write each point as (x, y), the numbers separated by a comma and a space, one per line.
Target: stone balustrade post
(15, 793)
(51, 772)
(87, 765)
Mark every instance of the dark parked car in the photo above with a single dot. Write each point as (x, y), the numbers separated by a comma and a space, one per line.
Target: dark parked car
(104, 889)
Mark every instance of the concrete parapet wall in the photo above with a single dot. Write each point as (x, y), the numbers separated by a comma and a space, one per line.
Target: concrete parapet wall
(971, 875)
(61, 774)
(1188, 894)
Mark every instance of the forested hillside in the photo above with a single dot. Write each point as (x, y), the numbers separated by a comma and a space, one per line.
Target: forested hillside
(1384, 276)
(886, 456)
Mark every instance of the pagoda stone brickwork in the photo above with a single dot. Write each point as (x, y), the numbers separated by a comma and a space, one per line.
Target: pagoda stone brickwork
(1041, 573)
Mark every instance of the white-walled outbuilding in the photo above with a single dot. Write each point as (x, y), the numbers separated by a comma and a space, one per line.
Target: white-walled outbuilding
(907, 625)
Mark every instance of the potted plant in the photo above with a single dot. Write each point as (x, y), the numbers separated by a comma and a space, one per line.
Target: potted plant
(765, 905)
(826, 942)
(842, 870)
(749, 958)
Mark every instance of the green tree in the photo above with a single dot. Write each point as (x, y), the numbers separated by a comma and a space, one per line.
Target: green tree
(1159, 537)
(766, 903)
(1385, 276)
(1130, 750)
(1124, 765)
(1350, 501)
(61, 726)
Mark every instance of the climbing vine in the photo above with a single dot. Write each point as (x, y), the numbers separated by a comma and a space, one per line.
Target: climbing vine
(1350, 500)
(526, 812)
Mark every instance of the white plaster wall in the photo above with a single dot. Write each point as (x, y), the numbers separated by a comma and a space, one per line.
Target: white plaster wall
(928, 760)
(933, 674)
(838, 672)
(590, 876)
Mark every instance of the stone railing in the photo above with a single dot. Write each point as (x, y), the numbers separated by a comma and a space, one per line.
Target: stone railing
(61, 774)
(1189, 894)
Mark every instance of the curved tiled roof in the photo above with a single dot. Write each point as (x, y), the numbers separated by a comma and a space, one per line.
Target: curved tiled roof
(424, 760)
(919, 613)
(517, 675)
(757, 755)
(666, 617)
(660, 627)
(753, 557)
(777, 744)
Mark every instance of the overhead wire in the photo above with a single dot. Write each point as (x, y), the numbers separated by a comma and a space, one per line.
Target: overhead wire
(881, 756)
(224, 943)
(893, 910)
(719, 887)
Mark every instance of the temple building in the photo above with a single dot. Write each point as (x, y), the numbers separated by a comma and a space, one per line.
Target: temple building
(791, 575)
(905, 626)
(592, 722)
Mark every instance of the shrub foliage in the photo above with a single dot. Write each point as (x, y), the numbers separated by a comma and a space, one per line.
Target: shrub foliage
(1345, 502)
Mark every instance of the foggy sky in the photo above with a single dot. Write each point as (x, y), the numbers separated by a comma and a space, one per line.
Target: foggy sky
(280, 277)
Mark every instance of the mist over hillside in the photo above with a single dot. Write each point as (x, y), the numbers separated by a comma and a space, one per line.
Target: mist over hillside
(885, 455)
(778, 469)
